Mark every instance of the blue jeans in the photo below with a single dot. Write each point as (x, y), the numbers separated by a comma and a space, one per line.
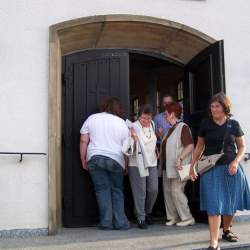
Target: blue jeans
(107, 176)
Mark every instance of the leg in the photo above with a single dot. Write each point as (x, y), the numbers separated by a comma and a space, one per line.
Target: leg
(181, 202)
(102, 188)
(214, 228)
(227, 233)
(171, 211)
(138, 186)
(120, 220)
(227, 222)
(152, 189)
(159, 207)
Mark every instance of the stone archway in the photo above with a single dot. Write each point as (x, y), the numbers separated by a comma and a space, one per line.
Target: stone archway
(173, 40)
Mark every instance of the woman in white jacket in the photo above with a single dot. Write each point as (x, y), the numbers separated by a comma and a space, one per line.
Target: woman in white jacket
(143, 174)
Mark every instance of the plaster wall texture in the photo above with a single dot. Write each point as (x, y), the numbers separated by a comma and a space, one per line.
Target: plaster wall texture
(24, 40)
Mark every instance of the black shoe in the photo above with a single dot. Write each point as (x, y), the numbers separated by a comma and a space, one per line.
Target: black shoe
(149, 219)
(142, 224)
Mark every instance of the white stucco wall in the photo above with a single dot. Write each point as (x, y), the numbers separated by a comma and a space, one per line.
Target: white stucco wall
(24, 27)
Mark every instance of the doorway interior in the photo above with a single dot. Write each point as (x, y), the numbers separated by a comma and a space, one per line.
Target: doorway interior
(194, 49)
(150, 79)
(136, 78)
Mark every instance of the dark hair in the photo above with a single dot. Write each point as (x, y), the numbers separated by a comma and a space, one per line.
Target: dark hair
(146, 109)
(224, 101)
(167, 95)
(174, 107)
(113, 106)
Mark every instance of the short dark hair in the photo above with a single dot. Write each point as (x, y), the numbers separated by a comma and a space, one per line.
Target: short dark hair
(113, 106)
(224, 101)
(174, 107)
(167, 95)
(146, 109)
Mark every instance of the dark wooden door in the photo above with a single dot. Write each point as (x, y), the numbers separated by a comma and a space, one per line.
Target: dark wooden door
(204, 76)
(89, 77)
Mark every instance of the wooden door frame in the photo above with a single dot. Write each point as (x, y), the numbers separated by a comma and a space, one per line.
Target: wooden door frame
(63, 38)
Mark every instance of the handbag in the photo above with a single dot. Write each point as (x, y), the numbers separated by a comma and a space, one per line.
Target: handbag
(184, 172)
(207, 162)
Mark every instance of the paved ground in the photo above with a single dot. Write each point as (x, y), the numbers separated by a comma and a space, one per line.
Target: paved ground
(157, 236)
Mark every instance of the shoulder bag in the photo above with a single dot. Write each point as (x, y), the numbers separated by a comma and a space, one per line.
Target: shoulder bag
(207, 162)
(184, 172)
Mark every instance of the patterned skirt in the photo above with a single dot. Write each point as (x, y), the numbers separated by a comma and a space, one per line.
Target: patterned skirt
(223, 194)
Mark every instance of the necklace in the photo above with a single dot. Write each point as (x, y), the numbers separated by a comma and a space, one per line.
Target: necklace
(147, 132)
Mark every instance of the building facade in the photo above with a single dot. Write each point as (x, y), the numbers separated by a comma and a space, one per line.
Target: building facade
(40, 108)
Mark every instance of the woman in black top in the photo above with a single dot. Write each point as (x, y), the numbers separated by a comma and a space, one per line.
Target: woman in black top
(224, 188)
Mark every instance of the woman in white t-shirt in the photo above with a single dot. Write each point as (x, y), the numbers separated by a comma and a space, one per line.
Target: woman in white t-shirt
(102, 137)
(142, 171)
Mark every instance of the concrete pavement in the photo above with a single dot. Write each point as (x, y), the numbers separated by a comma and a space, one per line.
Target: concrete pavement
(157, 236)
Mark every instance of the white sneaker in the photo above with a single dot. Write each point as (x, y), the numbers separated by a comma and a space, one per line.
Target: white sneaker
(184, 223)
(172, 222)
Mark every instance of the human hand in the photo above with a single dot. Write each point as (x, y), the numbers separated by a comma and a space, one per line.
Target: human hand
(84, 165)
(133, 133)
(192, 173)
(125, 170)
(160, 132)
(157, 153)
(233, 166)
(178, 165)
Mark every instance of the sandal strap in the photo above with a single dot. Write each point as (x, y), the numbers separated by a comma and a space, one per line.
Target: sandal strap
(229, 236)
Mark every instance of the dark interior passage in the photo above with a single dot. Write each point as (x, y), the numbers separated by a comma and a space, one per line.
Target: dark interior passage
(135, 77)
(151, 78)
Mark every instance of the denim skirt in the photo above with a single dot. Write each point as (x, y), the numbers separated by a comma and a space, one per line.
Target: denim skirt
(223, 194)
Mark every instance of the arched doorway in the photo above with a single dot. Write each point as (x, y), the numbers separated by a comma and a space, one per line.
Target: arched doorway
(177, 42)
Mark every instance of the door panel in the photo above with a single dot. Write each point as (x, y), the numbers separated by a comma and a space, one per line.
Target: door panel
(204, 76)
(201, 95)
(89, 78)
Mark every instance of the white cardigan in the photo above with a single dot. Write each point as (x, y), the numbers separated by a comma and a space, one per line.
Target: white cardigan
(141, 157)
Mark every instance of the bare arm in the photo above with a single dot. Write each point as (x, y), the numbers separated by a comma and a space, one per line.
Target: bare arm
(185, 152)
(199, 148)
(84, 141)
(196, 156)
(241, 146)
